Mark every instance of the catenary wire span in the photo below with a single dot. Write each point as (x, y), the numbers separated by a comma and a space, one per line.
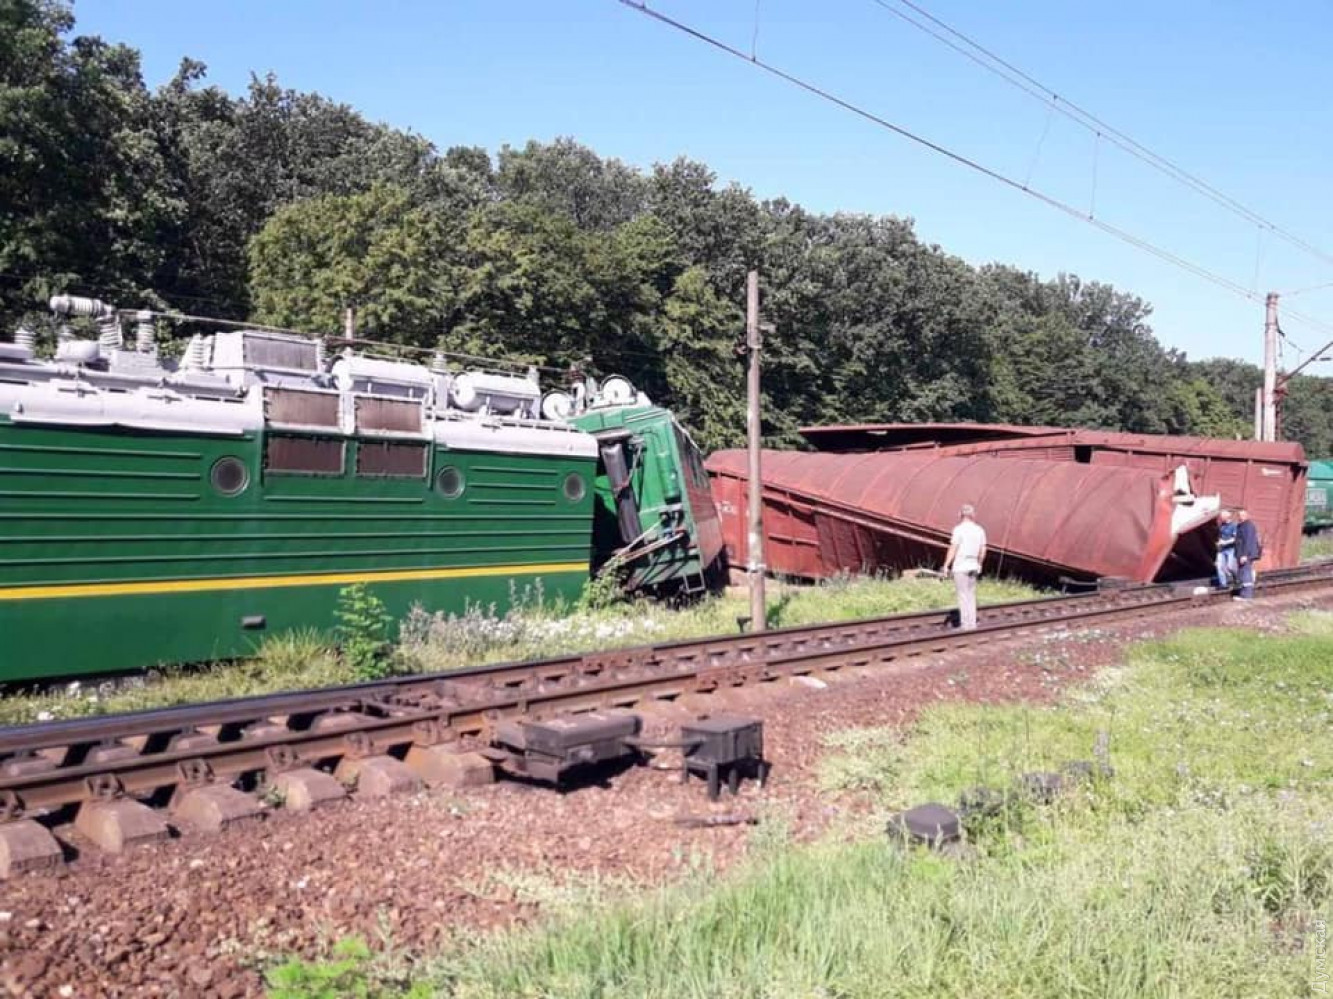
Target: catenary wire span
(995, 64)
(1123, 235)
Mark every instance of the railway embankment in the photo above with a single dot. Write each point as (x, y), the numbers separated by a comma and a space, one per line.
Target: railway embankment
(512, 889)
(1204, 861)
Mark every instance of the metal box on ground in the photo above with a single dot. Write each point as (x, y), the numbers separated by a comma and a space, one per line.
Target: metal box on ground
(931, 824)
(718, 746)
(550, 748)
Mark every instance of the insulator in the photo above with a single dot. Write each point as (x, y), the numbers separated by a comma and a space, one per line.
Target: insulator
(74, 305)
(108, 333)
(439, 362)
(196, 354)
(321, 355)
(145, 334)
(25, 337)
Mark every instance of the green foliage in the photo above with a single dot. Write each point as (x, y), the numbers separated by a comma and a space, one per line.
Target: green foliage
(1317, 547)
(602, 591)
(375, 251)
(290, 207)
(363, 632)
(86, 199)
(293, 660)
(350, 972)
(1307, 409)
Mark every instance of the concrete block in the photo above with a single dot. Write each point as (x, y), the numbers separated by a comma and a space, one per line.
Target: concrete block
(440, 766)
(26, 845)
(377, 776)
(306, 788)
(215, 807)
(116, 823)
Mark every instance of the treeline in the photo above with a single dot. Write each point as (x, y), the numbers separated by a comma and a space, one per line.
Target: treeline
(285, 208)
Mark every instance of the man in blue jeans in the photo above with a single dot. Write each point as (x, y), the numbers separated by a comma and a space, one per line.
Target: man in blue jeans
(1226, 550)
(1248, 551)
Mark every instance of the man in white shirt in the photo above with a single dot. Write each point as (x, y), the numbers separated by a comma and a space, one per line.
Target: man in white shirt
(967, 550)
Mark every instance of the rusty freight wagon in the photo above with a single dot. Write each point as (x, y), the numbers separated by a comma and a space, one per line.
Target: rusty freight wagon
(1057, 503)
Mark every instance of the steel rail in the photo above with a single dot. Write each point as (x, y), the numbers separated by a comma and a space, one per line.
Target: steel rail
(52, 766)
(714, 649)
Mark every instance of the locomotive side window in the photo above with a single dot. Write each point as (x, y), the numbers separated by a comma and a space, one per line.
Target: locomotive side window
(449, 482)
(391, 460)
(575, 488)
(691, 460)
(303, 455)
(229, 476)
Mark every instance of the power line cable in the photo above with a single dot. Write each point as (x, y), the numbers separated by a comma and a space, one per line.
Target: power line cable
(1313, 287)
(1122, 234)
(1016, 77)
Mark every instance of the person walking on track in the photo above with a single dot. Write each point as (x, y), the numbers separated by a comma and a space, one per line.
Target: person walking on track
(1249, 549)
(967, 551)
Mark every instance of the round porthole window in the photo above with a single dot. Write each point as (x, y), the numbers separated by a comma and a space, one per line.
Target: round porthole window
(449, 482)
(229, 476)
(574, 487)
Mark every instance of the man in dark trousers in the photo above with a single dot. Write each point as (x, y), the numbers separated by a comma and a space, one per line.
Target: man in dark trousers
(1248, 551)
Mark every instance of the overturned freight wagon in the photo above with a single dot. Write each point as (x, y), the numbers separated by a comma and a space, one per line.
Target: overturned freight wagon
(1047, 519)
(1267, 478)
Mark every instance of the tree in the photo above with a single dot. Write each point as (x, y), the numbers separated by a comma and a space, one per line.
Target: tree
(85, 202)
(376, 251)
(1307, 414)
(1197, 407)
(239, 161)
(566, 178)
(703, 375)
(289, 206)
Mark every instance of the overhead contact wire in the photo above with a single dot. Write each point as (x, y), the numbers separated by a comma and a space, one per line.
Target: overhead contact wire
(1016, 77)
(963, 160)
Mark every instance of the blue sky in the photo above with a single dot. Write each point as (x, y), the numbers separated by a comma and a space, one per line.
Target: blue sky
(1236, 92)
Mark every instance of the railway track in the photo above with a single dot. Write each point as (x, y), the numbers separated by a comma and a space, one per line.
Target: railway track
(130, 777)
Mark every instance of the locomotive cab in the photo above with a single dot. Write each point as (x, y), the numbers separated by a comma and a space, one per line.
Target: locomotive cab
(654, 521)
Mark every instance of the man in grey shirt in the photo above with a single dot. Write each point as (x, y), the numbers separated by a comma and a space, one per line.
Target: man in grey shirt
(967, 550)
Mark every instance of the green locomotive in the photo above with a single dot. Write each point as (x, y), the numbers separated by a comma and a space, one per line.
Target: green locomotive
(155, 512)
(1319, 497)
(655, 523)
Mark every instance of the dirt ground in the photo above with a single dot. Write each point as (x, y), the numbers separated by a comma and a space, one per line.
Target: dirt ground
(199, 915)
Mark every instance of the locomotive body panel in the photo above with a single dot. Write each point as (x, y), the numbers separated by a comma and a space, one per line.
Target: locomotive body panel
(120, 551)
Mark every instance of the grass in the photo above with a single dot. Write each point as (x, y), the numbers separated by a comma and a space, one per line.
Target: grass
(1206, 714)
(290, 661)
(431, 642)
(1315, 547)
(1202, 868)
